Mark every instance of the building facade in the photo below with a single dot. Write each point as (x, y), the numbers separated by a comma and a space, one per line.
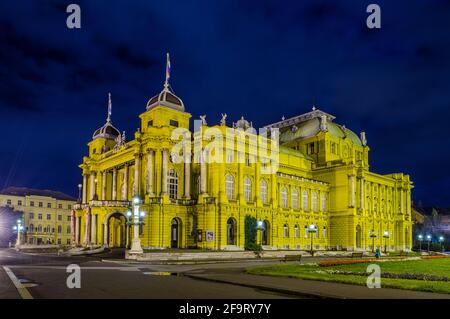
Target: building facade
(322, 181)
(45, 215)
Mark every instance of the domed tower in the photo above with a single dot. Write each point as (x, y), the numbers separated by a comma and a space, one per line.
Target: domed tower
(165, 109)
(104, 138)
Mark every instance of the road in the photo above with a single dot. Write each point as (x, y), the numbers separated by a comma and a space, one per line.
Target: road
(45, 276)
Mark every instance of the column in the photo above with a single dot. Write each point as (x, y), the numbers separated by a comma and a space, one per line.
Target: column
(91, 186)
(103, 185)
(105, 234)
(87, 228)
(361, 193)
(187, 175)
(94, 229)
(351, 179)
(85, 189)
(165, 164)
(402, 208)
(137, 164)
(73, 216)
(76, 230)
(203, 172)
(114, 184)
(150, 173)
(125, 184)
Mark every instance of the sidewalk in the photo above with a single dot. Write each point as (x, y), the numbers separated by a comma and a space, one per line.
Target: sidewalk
(313, 289)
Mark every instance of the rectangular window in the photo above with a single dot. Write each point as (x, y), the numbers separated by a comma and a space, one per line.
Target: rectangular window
(41, 204)
(32, 204)
(19, 203)
(69, 218)
(69, 206)
(150, 123)
(310, 148)
(40, 216)
(8, 202)
(49, 205)
(49, 216)
(31, 215)
(59, 241)
(173, 123)
(60, 217)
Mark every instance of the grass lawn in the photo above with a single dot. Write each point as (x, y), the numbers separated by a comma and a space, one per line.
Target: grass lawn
(439, 267)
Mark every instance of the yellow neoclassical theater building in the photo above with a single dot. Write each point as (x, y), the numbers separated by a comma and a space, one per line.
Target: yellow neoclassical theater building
(322, 182)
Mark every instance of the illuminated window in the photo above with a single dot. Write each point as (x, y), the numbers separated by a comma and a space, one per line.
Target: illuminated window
(247, 189)
(172, 183)
(324, 202)
(284, 197)
(294, 196)
(263, 191)
(305, 200)
(315, 202)
(286, 231)
(296, 231)
(229, 186)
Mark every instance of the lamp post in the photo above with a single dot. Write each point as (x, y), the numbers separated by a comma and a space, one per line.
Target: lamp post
(19, 228)
(429, 241)
(373, 236)
(129, 223)
(385, 236)
(136, 247)
(420, 237)
(312, 229)
(80, 186)
(441, 240)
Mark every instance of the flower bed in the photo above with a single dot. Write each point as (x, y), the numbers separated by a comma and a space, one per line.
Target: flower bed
(337, 262)
(426, 277)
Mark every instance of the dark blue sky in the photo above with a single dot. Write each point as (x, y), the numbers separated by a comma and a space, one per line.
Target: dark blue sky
(260, 59)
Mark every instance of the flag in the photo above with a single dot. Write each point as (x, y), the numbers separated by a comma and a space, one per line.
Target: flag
(168, 68)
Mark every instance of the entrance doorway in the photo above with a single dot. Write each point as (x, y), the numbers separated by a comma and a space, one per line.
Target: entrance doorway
(231, 231)
(116, 230)
(175, 233)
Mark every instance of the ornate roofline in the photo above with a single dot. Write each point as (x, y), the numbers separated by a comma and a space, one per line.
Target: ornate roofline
(315, 113)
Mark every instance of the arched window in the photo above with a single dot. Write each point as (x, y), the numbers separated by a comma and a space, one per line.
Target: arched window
(315, 202)
(39, 229)
(172, 183)
(294, 197)
(296, 231)
(59, 229)
(284, 197)
(48, 229)
(263, 191)
(247, 189)
(31, 228)
(324, 202)
(305, 200)
(229, 186)
(286, 231)
(306, 231)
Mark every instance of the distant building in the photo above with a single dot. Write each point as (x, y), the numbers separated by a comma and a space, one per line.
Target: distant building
(45, 214)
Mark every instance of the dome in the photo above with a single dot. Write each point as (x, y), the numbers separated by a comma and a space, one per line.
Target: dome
(311, 124)
(107, 131)
(166, 98)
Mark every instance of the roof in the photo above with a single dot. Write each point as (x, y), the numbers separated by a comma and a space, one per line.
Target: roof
(24, 191)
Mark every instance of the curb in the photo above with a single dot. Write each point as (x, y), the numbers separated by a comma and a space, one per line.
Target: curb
(265, 288)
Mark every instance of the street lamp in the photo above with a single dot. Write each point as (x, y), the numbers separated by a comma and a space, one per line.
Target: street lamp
(420, 237)
(429, 241)
(79, 192)
(373, 236)
(136, 247)
(441, 240)
(385, 236)
(312, 229)
(19, 228)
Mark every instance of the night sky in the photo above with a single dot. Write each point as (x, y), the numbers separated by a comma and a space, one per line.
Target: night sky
(260, 59)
